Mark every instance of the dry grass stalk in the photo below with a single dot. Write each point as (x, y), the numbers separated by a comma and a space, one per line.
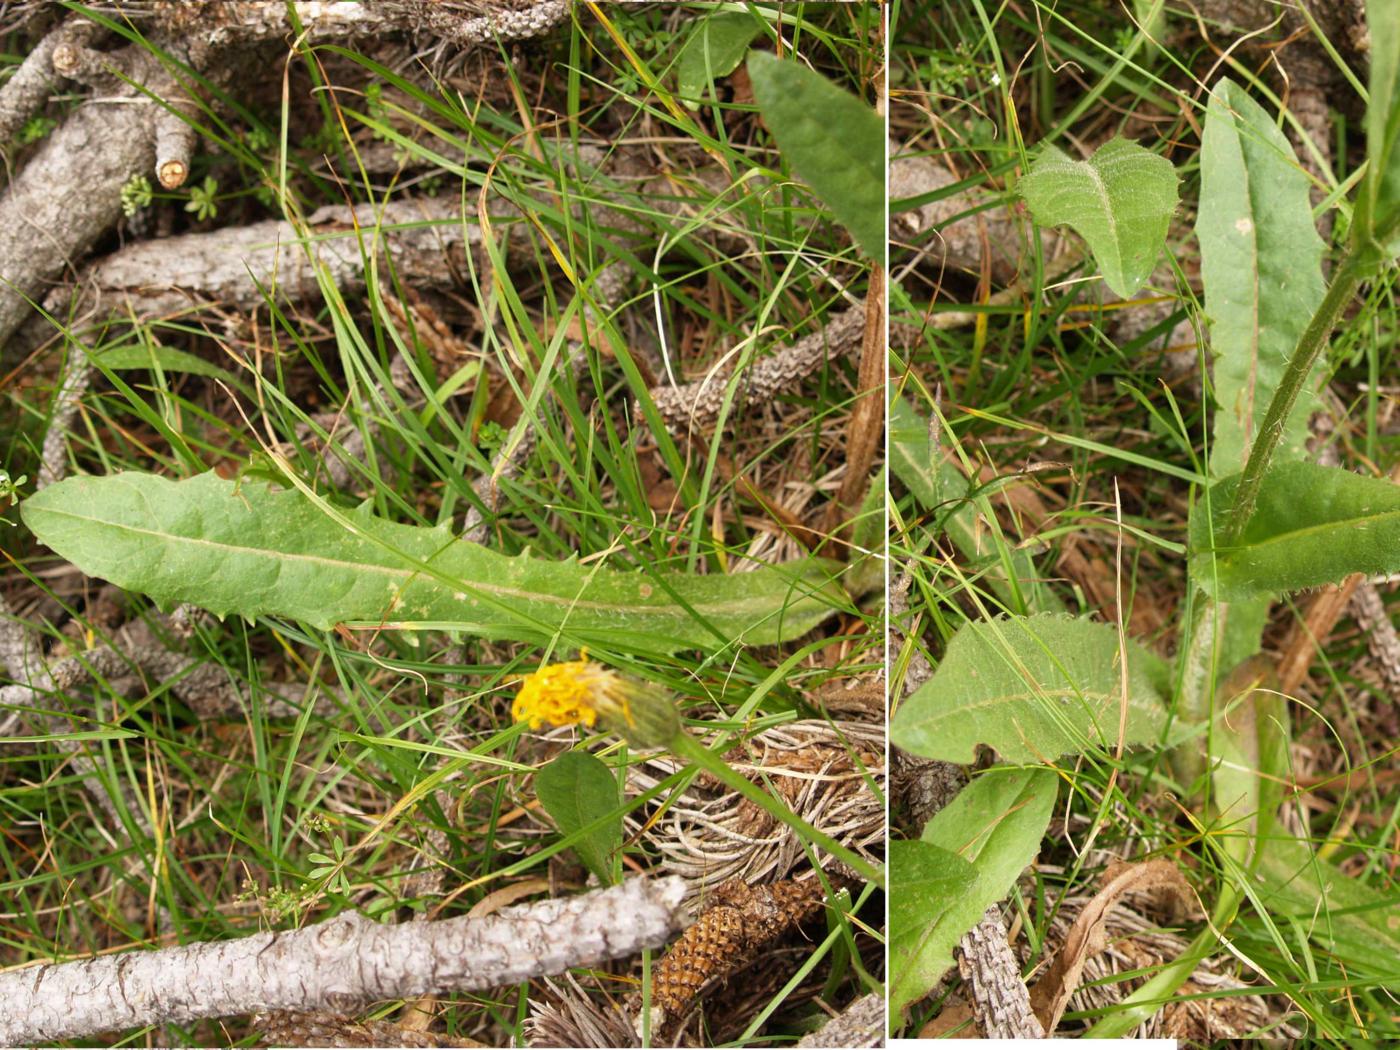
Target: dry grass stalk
(709, 835)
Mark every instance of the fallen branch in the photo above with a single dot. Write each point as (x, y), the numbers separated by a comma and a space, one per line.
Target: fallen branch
(25, 93)
(236, 267)
(340, 965)
(992, 977)
(69, 194)
(67, 197)
(696, 405)
(862, 1024)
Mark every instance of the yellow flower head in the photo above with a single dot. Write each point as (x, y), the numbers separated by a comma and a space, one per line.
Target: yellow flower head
(580, 692)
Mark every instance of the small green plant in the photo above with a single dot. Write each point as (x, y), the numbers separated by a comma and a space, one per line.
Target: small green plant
(9, 489)
(34, 129)
(259, 138)
(276, 903)
(136, 194)
(330, 871)
(202, 199)
(1037, 683)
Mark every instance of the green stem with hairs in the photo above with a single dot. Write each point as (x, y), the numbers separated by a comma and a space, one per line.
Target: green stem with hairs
(686, 747)
(1295, 377)
(1365, 256)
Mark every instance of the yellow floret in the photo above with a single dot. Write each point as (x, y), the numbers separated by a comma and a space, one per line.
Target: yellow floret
(575, 692)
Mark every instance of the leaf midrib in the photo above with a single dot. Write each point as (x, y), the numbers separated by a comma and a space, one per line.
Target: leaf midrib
(406, 575)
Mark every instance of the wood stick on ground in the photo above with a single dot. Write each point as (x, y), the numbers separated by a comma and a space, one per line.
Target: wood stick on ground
(1000, 1001)
(69, 194)
(237, 266)
(25, 93)
(866, 429)
(694, 406)
(175, 140)
(341, 965)
(862, 1024)
(67, 197)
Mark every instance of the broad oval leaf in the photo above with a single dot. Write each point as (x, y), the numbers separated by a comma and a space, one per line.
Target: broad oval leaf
(576, 789)
(925, 880)
(714, 49)
(1120, 201)
(926, 883)
(1261, 269)
(253, 550)
(1033, 688)
(995, 824)
(832, 139)
(1311, 526)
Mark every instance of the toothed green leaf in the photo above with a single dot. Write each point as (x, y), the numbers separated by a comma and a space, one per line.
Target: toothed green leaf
(255, 551)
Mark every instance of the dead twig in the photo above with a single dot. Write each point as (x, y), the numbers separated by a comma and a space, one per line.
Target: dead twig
(694, 406)
(992, 979)
(340, 965)
(862, 1024)
(865, 430)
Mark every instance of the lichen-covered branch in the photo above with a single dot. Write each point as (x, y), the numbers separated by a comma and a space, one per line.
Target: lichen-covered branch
(862, 1024)
(69, 194)
(341, 964)
(996, 991)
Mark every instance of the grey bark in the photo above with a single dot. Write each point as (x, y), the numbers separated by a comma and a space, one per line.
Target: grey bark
(862, 1024)
(25, 93)
(341, 964)
(66, 198)
(998, 995)
(235, 266)
(220, 22)
(53, 464)
(69, 195)
(695, 405)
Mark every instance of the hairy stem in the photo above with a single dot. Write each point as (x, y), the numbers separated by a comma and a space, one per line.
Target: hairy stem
(1310, 344)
